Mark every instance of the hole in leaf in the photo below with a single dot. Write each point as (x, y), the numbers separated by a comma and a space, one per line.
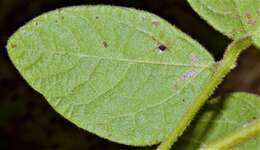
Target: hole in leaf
(162, 48)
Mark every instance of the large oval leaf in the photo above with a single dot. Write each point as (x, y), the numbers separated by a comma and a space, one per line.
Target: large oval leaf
(234, 18)
(123, 74)
(223, 116)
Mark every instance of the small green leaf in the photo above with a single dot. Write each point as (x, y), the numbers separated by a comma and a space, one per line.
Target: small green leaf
(234, 18)
(123, 74)
(221, 117)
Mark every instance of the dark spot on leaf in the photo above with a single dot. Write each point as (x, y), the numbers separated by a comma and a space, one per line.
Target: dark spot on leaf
(13, 45)
(62, 17)
(97, 17)
(105, 44)
(162, 47)
(36, 23)
(183, 100)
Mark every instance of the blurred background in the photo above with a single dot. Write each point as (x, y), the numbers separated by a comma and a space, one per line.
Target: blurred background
(26, 119)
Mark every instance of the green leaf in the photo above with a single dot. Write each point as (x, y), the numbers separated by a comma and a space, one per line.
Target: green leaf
(234, 18)
(257, 37)
(221, 117)
(123, 74)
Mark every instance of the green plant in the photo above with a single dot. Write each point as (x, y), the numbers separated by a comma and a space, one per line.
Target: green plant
(131, 77)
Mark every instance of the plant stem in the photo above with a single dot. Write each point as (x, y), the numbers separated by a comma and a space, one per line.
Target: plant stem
(229, 60)
(248, 131)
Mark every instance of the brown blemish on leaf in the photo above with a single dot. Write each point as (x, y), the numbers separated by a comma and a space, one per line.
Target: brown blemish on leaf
(105, 44)
(240, 31)
(248, 15)
(250, 19)
(187, 75)
(252, 22)
(234, 32)
(154, 38)
(156, 23)
(13, 45)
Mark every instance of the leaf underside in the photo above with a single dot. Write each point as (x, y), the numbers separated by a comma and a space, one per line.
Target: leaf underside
(220, 117)
(234, 18)
(123, 74)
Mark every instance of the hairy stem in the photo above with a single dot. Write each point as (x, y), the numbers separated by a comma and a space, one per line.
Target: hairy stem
(248, 131)
(227, 63)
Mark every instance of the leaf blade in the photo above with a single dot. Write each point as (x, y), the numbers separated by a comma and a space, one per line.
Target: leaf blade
(118, 77)
(234, 18)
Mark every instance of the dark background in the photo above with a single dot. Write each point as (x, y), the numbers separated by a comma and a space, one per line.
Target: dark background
(26, 119)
